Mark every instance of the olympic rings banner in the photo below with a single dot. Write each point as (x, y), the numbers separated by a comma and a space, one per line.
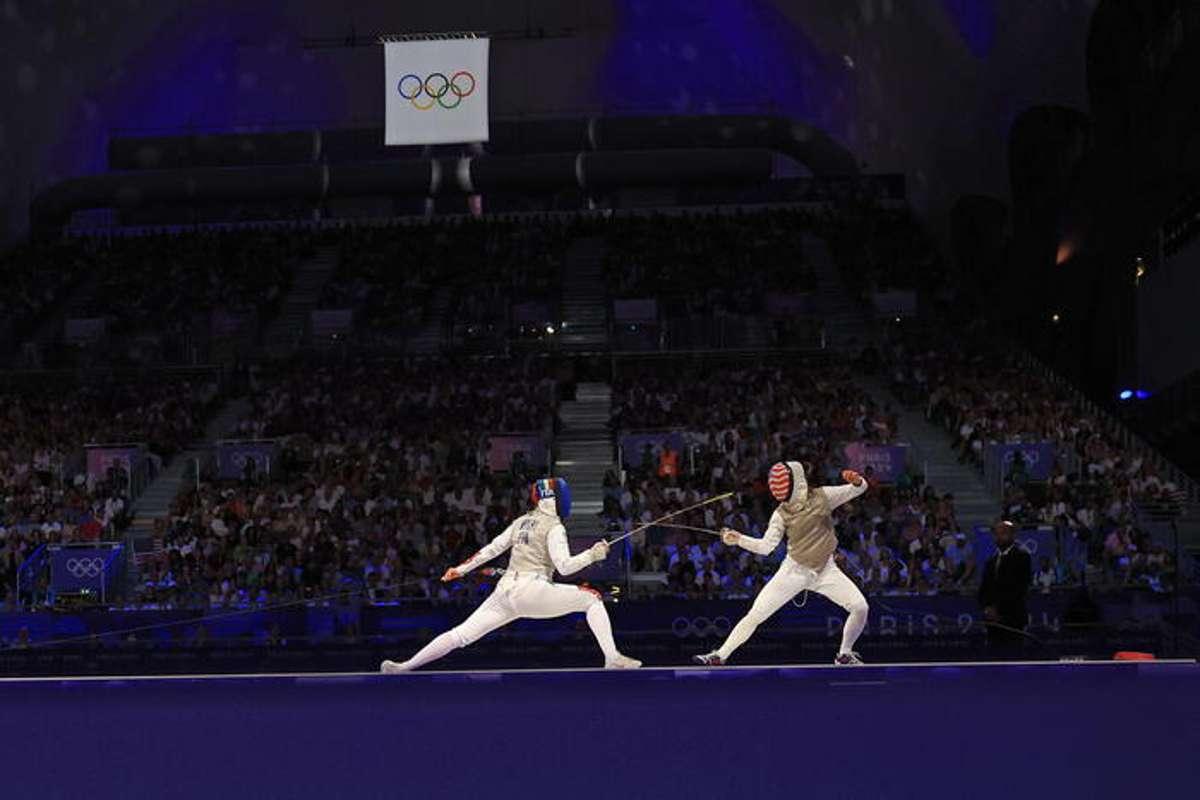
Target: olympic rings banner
(436, 91)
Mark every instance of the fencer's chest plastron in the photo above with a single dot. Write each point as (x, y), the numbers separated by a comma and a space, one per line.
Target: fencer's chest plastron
(530, 544)
(808, 526)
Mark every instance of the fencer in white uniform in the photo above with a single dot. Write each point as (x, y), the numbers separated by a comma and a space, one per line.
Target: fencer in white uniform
(804, 516)
(538, 542)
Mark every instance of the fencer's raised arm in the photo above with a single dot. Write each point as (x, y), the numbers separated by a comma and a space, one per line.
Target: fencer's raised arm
(839, 495)
(769, 541)
(560, 552)
(489, 551)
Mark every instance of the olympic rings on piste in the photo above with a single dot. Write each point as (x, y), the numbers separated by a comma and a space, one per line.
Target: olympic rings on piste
(700, 627)
(436, 88)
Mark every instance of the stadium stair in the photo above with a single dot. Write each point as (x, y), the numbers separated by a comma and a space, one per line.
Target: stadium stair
(846, 324)
(584, 447)
(431, 337)
(288, 330)
(932, 454)
(155, 502)
(584, 298)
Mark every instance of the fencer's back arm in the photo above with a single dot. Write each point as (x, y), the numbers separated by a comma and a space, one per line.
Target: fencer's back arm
(840, 495)
(560, 553)
(489, 551)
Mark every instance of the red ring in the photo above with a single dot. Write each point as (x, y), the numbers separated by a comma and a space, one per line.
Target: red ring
(457, 91)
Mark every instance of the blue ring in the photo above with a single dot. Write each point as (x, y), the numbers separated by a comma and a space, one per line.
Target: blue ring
(420, 86)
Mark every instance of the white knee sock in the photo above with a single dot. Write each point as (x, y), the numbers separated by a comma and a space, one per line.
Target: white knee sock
(737, 637)
(853, 628)
(440, 646)
(597, 620)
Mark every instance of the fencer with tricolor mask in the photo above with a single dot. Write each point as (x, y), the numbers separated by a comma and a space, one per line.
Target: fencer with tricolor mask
(538, 544)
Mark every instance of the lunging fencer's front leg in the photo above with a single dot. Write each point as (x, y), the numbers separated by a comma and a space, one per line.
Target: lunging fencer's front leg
(785, 584)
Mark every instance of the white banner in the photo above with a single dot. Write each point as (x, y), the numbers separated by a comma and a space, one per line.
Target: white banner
(437, 91)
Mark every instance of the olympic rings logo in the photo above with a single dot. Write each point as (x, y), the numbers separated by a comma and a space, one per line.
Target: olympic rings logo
(85, 567)
(701, 627)
(436, 89)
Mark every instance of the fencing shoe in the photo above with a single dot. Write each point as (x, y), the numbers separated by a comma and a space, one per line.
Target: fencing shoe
(709, 660)
(622, 662)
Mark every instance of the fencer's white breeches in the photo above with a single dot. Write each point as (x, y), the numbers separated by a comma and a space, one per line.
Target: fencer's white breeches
(516, 596)
(790, 580)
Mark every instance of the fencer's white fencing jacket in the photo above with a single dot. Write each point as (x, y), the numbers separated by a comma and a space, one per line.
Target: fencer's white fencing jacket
(538, 542)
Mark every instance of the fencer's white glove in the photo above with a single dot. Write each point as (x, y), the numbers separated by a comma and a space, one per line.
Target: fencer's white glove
(730, 537)
(599, 551)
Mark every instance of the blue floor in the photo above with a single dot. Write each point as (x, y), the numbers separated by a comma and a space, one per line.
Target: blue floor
(1014, 731)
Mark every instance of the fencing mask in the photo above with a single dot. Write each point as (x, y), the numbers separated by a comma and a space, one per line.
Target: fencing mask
(787, 483)
(551, 495)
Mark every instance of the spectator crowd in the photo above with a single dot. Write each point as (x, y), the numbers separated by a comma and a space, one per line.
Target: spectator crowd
(48, 494)
(383, 473)
(984, 395)
(383, 477)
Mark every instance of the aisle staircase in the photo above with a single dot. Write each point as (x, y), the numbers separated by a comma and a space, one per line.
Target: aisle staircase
(431, 338)
(846, 323)
(584, 298)
(288, 330)
(931, 453)
(155, 502)
(585, 451)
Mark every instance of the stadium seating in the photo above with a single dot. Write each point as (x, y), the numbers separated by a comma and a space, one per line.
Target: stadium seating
(464, 275)
(901, 537)
(983, 395)
(383, 478)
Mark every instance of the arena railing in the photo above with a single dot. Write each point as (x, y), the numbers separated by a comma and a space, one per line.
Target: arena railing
(744, 357)
(334, 224)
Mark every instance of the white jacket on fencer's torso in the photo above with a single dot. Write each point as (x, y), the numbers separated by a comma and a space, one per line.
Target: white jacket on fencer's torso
(531, 543)
(538, 542)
